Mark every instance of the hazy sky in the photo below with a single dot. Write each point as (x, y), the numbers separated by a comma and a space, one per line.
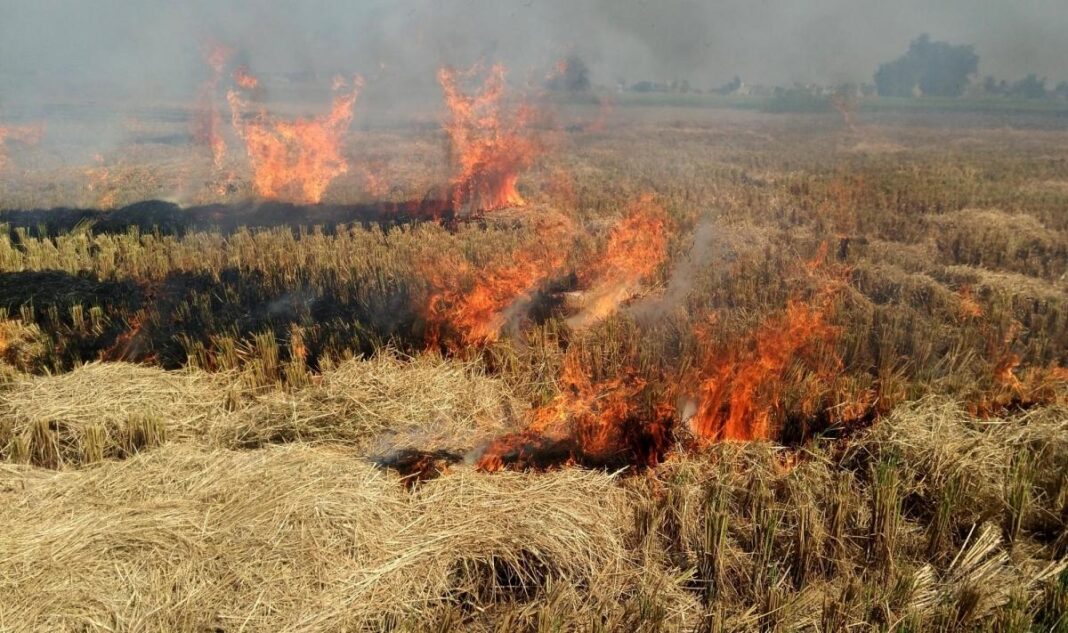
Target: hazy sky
(152, 46)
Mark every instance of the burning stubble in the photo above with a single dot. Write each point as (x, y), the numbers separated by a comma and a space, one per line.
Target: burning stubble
(636, 247)
(296, 159)
(469, 305)
(207, 120)
(489, 141)
(23, 134)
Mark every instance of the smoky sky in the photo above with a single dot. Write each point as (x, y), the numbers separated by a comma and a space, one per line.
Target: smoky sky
(70, 48)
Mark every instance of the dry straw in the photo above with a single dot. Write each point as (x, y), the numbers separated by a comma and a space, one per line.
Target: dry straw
(294, 538)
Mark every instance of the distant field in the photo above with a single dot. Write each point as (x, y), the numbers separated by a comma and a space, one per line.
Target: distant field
(725, 370)
(873, 104)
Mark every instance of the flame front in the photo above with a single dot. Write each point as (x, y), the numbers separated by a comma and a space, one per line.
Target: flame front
(636, 247)
(740, 389)
(477, 303)
(25, 134)
(488, 146)
(298, 159)
(207, 123)
(101, 182)
(589, 420)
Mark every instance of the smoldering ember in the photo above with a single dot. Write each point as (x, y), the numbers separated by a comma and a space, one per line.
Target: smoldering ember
(533, 316)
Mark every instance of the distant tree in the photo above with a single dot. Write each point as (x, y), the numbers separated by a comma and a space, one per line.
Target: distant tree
(1030, 87)
(932, 68)
(992, 86)
(798, 98)
(574, 76)
(1061, 90)
(898, 78)
(731, 86)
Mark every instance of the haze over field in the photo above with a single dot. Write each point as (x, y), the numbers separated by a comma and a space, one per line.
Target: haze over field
(529, 315)
(56, 49)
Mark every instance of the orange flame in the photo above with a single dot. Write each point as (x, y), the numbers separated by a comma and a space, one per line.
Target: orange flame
(636, 246)
(100, 183)
(488, 147)
(605, 107)
(296, 159)
(594, 409)
(969, 307)
(740, 390)
(245, 79)
(25, 134)
(592, 421)
(1005, 371)
(374, 183)
(207, 123)
(845, 105)
(479, 311)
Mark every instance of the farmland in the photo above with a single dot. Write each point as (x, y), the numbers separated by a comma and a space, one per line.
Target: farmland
(704, 368)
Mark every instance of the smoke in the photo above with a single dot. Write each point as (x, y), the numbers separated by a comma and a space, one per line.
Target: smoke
(710, 243)
(83, 67)
(65, 49)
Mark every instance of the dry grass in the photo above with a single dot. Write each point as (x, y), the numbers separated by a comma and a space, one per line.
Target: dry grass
(741, 536)
(295, 538)
(424, 402)
(112, 399)
(112, 410)
(937, 442)
(238, 493)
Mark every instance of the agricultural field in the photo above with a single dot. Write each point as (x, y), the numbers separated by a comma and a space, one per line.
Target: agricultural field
(585, 365)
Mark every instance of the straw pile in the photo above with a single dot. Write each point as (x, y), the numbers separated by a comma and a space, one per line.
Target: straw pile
(423, 402)
(293, 538)
(113, 410)
(932, 517)
(104, 410)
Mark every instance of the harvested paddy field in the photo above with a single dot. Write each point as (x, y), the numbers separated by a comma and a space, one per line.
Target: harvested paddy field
(663, 369)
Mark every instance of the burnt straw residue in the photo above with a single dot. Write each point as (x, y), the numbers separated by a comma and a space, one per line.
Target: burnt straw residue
(169, 218)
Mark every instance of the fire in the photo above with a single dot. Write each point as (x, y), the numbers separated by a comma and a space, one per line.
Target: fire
(101, 182)
(845, 105)
(245, 79)
(589, 421)
(1012, 384)
(207, 124)
(605, 107)
(489, 147)
(636, 247)
(296, 159)
(969, 307)
(375, 182)
(479, 311)
(1005, 371)
(740, 390)
(25, 134)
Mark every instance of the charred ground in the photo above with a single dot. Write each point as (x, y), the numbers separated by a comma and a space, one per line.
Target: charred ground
(883, 309)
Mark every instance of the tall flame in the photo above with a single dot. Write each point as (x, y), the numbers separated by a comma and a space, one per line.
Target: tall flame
(298, 159)
(25, 134)
(478, 302)
(101, 182)
(489, 146)
(740, 389)
(207, 123)
(636, 246)
(846, 106)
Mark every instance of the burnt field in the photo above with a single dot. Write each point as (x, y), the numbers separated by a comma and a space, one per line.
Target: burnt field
(634, 368)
